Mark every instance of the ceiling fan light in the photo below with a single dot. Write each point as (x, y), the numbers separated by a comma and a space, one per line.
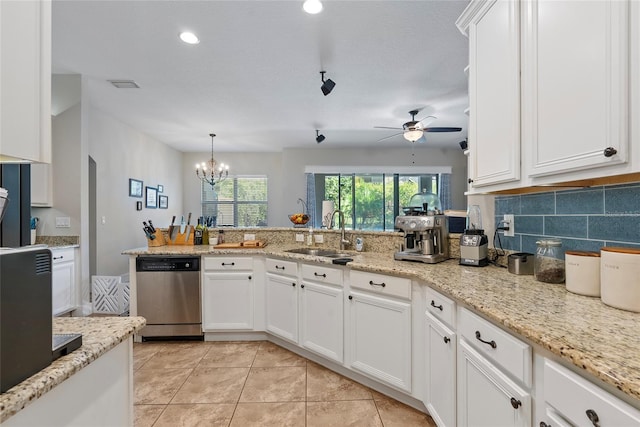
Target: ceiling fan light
(312, 6)
(412, 135)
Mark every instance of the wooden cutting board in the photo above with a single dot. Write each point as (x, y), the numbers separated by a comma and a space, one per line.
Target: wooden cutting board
(248, 244)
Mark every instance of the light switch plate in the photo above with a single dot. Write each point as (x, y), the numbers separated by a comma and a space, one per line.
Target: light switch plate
(319, 238)
(509, 219)
(299, 237)
(248, 236)
(63, 222)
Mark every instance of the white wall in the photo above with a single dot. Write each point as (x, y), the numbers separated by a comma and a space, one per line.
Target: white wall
(285, 171)
(122, 152)
(65, 175)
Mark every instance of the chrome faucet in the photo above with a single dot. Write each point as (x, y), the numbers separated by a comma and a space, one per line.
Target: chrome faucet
(343, 240)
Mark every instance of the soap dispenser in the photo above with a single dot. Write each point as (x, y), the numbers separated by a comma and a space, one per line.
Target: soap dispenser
(310, 237)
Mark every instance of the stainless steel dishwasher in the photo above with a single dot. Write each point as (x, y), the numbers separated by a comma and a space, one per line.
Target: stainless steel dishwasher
(168, 294)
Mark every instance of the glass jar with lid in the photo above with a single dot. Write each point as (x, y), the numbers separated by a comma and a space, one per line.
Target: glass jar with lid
(548, 265)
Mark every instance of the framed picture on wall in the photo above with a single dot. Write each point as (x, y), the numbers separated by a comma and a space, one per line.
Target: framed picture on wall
(160, 188)
(151, 201)
(163, 202)
(135, 188)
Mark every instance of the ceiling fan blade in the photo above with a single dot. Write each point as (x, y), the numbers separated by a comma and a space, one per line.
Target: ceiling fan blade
(386, 127)
(391, 136)
(442, 129)
(428, 117)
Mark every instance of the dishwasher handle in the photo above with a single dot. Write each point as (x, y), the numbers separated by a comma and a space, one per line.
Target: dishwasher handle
(150, 264)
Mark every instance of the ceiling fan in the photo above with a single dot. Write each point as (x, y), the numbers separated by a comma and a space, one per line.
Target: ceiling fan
(413, 130)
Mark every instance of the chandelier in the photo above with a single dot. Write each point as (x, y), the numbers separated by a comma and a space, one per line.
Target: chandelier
(210, 172)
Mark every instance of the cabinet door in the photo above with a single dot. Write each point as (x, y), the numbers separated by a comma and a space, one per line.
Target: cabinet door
(440, 390)
(321, 320)
(494, 94)
(62, 287)
(281, 296)
(575, 85)
(25, 80)
(227, 301)
(380, 338)
(486, 397)
(41, 185)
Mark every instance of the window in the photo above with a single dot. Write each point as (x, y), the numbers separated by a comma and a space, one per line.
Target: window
(239, 201)
(372, 201)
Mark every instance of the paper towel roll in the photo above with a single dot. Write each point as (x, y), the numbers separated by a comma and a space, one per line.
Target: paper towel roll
(327, 211)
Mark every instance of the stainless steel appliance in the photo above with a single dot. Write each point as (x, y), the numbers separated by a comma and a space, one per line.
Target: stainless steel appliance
(474, 243)
(426, 237)
(168, 295)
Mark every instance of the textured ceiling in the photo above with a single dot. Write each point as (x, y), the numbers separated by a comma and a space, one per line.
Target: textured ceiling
(254, 78)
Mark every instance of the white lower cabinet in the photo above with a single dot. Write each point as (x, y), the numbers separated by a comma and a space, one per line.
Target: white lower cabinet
(440, 362)
(380, 338)
(281, 299)
(63, 280)
(486, 396)
(227, 294)
(321, 319)
(572, 400)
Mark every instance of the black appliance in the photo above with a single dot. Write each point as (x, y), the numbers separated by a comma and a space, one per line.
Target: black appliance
(25, 314)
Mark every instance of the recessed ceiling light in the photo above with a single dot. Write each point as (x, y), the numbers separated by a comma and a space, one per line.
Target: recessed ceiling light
(312, 6)
(189, 38)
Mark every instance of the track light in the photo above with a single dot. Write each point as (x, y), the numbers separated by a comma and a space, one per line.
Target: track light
(319, 138)
(327, 85)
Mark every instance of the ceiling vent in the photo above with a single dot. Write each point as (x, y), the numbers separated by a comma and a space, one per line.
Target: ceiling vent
(124, 84)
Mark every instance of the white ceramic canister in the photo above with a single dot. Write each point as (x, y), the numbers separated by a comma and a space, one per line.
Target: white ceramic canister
(582, 270)
(620, 278)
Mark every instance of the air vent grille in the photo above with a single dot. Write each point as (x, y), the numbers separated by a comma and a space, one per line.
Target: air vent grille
(43, 263)
(124, 84)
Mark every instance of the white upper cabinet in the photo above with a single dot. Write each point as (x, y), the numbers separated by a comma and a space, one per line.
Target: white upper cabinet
(25, 80)
(494, 93)
(575, 85)
(552, 85)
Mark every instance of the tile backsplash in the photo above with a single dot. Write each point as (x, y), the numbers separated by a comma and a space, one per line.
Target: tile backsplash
(585, 219)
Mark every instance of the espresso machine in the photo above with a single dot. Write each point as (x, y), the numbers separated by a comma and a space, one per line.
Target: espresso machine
(426, 233)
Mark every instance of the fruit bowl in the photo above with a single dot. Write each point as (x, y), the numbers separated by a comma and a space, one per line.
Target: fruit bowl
(299, 219)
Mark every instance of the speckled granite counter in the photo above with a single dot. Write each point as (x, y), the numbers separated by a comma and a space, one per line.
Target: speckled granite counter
(602, 340)
(99, 335)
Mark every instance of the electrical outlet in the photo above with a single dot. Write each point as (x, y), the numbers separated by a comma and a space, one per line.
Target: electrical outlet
(248, 236)
(299, 237)
(509, 221)
(319, 238)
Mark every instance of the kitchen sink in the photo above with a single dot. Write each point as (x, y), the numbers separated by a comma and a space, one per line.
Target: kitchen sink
(328, 253)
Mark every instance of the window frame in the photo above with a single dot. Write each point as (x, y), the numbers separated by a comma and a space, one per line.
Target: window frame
(235, 203)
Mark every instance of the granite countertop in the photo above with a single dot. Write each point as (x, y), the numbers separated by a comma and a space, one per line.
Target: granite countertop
(580, 330)
(99, 335)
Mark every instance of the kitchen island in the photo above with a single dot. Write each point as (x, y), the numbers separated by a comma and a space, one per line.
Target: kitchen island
(92, 385)
(595, 340)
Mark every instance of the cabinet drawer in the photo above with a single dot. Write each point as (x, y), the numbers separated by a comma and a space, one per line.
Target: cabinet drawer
(497, 345)
(441, 307)
(318, 273)
(379, 283)
(228, 263)
(283, 268)
(573, 397)
(62, 255)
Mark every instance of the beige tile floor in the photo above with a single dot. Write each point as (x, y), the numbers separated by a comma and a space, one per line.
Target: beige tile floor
(252, 384)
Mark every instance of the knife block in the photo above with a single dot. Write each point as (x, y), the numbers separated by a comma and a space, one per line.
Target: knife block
(181, 238)
(158, 241)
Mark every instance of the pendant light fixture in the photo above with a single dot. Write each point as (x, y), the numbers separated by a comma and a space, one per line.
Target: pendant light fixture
(210, 172)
